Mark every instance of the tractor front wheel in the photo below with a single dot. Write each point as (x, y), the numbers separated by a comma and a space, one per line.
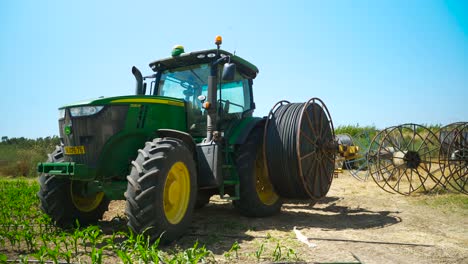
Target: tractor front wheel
(63, 200)
(162, 189)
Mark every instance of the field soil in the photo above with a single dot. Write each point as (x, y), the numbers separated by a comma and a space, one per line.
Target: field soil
(356, 222)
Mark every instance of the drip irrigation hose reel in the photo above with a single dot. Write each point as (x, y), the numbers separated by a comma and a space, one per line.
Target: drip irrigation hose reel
(300, 149)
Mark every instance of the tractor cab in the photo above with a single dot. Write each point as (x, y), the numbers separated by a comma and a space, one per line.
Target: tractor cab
(185, 76)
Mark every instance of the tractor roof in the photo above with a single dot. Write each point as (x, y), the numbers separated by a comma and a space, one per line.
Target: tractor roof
(204, 56)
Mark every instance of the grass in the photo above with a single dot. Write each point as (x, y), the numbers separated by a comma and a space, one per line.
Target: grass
(453, 202)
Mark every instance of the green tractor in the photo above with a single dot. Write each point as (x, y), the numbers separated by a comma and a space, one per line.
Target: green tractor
(186, 135)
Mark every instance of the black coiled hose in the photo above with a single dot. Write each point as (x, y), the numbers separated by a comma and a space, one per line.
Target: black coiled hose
(298, 147)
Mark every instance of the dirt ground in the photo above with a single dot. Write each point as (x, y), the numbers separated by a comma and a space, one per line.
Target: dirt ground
(356, 222)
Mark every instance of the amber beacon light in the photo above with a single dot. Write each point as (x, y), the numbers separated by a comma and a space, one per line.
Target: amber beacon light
(218, 40)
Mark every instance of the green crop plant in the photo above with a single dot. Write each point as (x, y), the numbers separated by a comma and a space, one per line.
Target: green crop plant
(124, 256)
(13, 238)
(193, 255)
(24, 259)
(53, 254)
(234, 249)
(64, 241)
(291, 254)
(41, 254)
(66, 255)
(46, 237)
(2, 239)
(55, 241)
(97, 255)
(140, 247)
(76, 237)
(258, 253)
(92, 234)
(155, 255)
(30, 239)
(110, 240)
(277, 252)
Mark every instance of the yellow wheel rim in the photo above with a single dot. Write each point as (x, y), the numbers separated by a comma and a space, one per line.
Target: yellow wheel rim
(176, 193)
(263, 186)
(86, 203)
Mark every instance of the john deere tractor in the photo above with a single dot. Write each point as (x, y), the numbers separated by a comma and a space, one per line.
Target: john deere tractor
(188, 133)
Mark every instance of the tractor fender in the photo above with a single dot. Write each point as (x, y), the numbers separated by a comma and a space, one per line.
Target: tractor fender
(185, 137)
(208, 162)
(239, 132)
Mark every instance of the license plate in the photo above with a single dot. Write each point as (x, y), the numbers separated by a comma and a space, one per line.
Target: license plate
(77, 150)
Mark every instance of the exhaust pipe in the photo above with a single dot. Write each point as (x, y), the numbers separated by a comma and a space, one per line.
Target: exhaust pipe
(139, 81)
(229, 70)
(212, 117)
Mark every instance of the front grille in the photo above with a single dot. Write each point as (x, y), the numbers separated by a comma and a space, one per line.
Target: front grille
(92, 132)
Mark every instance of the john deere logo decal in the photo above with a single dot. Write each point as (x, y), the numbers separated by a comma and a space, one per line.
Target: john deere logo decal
(67, 129)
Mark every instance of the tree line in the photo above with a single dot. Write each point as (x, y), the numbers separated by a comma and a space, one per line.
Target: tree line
(28, 143)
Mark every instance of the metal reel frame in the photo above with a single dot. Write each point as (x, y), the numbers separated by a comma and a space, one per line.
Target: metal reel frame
(407, 159)
(372, 157)
(321, 170)
(453, 156)
(359, 167)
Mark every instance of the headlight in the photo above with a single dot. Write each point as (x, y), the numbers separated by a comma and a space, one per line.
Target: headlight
(85, 110)
(61, 113)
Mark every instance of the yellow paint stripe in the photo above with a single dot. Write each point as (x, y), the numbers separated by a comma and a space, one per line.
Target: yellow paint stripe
(149, 100)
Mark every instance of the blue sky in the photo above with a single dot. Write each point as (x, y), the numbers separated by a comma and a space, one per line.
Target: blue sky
(376, 63)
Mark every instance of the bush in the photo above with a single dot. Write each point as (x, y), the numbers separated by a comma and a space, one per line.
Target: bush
(19, 156)
(354, 130)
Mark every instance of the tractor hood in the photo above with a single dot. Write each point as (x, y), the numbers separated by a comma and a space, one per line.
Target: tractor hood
(130, 99)
(109, 130)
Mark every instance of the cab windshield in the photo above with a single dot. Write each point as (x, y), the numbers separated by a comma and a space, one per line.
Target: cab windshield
(189, 82)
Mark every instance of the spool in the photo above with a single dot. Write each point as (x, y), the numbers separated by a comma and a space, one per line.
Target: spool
(300, 149)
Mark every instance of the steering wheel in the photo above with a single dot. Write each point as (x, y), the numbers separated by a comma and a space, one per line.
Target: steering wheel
(185, 84)
(227, 103)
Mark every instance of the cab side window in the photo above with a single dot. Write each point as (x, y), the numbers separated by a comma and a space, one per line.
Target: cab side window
(234, 96)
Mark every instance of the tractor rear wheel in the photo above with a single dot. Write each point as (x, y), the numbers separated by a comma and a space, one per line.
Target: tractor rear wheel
(63, 201)
(257, 196)
(162, 189)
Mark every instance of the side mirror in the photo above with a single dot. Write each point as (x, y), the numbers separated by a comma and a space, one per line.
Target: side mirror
(229, 71)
